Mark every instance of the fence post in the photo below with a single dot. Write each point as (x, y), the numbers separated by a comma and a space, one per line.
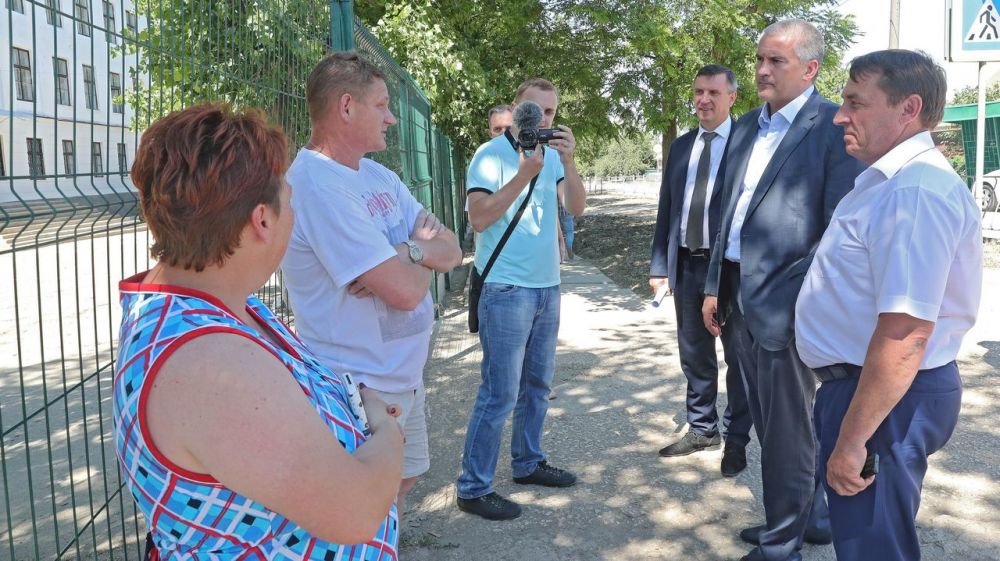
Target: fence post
(342, 25)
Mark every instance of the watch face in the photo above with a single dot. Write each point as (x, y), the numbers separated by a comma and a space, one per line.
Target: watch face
(416, 254)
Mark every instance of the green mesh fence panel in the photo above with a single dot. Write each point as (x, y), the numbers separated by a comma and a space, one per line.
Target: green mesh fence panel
(82, 80)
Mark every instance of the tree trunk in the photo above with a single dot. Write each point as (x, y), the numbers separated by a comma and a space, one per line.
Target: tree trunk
(669, 135)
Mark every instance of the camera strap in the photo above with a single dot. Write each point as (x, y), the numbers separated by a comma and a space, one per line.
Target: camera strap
(508, 231)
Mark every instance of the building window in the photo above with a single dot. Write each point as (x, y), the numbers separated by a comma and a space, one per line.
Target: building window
(16, 5)
(83, 17)
(109, 23)
(90, 86)
(36, 162)
(22, 71)
(117, 105)
(132, 23)
(122, 159)
(52, 13)
(69, 157)
(62, 81)
(96, 159)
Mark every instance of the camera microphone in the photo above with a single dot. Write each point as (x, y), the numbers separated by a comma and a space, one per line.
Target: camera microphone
(527, 115)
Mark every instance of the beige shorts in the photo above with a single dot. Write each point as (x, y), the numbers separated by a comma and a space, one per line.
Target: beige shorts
(413, 419)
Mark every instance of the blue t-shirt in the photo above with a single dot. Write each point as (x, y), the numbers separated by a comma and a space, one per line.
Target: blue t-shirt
(530, 258)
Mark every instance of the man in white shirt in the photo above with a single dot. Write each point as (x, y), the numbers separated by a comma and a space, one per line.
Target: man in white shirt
(363, 250)
(786, 169)
(687, 222)
(894, 287)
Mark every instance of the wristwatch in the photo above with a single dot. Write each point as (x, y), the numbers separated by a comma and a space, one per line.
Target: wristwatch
(416, 254)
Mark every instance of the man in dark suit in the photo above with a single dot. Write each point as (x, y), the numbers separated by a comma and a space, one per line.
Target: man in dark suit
(686, 225)
(786, 169)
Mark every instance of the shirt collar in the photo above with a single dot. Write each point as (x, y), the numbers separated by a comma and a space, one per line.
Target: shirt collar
(894, 160)
(788, 112)
(722, 130)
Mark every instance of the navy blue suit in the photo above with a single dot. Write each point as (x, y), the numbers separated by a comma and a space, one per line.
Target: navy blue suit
(790, 209)
(686, 277)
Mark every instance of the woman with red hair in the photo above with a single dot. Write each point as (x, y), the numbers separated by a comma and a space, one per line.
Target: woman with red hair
(235, 442)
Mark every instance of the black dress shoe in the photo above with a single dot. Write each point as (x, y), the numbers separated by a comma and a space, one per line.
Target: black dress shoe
(814, 536)
(690, 443)
(734, 460)
(756, 555)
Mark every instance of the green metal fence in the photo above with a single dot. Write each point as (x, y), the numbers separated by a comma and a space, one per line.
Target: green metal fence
(82, 79)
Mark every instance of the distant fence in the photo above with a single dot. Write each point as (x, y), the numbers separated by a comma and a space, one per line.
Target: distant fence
(82, 80)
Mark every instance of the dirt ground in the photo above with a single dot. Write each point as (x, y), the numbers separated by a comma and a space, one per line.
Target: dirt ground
(617, 230)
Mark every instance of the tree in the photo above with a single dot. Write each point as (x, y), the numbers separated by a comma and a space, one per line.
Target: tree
(468, 57)
(970, 94)
(660, 44)
(251, 53)
(628, 155)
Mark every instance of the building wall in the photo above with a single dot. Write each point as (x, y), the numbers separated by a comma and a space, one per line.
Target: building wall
(53, 122)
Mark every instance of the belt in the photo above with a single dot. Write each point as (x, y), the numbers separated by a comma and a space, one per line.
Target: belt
(842, 371)
(698, 253)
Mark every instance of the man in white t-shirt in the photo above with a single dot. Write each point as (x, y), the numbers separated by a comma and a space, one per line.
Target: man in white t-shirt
(363, 251)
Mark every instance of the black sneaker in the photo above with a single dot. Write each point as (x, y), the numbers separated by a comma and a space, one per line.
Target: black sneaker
(548, 476)
(490, 507)
(690, 443)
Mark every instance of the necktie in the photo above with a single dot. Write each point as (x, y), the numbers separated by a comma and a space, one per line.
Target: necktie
(696, 215)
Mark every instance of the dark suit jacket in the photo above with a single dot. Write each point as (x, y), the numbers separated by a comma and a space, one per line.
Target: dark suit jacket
(666, 237)
(793, 203)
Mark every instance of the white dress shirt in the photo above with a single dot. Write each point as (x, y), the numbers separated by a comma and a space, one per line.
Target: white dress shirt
(771, 129)
(906, 240)
(718, 147)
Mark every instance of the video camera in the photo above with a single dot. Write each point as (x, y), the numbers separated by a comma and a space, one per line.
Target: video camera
(527, 116)
(530, 138)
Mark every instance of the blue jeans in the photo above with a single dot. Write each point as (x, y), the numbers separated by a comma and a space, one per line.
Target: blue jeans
(517, 329)
(566, 221)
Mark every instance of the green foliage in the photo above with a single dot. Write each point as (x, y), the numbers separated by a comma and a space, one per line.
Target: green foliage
(970, 94)
(628, 155)
(251, 53)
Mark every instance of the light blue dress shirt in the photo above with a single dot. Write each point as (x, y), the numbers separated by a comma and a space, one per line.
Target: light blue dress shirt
(771, 130)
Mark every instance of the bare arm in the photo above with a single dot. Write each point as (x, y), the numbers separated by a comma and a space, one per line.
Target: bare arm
(221, 398)
(442, 252)
(894, 354)
(574, 194)
(398, 281)
(486, 208)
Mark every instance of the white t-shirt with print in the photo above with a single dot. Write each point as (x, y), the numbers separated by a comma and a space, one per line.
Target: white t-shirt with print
(346, 223)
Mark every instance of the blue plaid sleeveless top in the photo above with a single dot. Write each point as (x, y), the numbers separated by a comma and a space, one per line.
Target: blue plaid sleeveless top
(192, 516)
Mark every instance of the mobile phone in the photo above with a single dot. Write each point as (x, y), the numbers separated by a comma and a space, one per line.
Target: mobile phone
(871, 465)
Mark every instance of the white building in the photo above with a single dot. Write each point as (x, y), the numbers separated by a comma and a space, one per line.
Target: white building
(64, 124)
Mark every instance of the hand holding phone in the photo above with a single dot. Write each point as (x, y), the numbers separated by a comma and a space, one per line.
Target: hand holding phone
(870, 468)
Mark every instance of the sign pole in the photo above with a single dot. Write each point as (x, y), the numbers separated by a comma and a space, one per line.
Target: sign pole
(977, 186)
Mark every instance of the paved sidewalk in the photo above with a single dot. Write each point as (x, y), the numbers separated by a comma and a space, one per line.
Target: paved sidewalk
(619, 397)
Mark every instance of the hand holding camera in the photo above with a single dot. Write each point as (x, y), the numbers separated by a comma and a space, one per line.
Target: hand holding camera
(531, 162)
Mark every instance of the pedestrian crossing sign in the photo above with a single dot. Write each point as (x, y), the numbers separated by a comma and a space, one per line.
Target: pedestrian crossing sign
(973, 30)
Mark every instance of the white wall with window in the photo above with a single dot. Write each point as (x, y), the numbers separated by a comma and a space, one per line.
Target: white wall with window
(62, 98)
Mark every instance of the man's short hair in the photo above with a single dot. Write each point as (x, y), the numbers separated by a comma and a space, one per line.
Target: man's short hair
(496, 110)
(809, 44)
(335, 75)
(540, 83)
(716, 69)
(902, 73)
